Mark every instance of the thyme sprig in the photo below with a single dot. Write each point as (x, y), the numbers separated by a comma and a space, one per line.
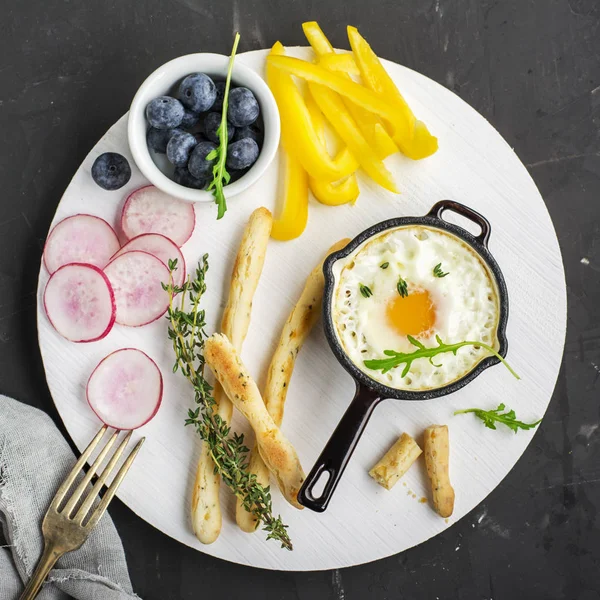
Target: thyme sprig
(402, 287)
(229, 453)
(220, 173)
(396, 359)
(438, 272)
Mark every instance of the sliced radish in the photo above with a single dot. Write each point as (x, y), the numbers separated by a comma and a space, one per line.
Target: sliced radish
(148, 210)
(125, 389)
(80, 303)
(160, 246)
(136, 279)
(80, 239)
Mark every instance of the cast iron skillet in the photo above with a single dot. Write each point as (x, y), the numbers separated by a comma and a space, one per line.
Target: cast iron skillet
(369, 393)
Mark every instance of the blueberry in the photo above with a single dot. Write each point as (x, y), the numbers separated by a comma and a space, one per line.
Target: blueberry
(164, 112)
(180, 147)
(250, 131)
(159, 138)
(183, 177)
(218, 105)
(111, 171)
(243, 107)
(190, 119)
(212, 121)
(198, 165)
(197, 92)
(242, 154)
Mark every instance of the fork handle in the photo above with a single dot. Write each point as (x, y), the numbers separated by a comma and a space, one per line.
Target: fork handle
(47, 561)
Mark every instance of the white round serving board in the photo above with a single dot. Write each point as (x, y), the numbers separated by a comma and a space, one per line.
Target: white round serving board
(364, 522)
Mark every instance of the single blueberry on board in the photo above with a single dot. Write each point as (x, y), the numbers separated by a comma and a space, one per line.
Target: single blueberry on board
(253, 132)
(182, 176)
(111, 171)
(243, 107)
(212, 121)
(190, 119)
(159, 138)
(197, 92)
(242, 154)
(164, 112)
(180, 147)
(220, 87)
(198, 165)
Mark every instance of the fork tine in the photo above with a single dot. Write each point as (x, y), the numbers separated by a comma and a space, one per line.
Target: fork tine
(78, 493)
(66, 484)
(89, 500)
(114, 486)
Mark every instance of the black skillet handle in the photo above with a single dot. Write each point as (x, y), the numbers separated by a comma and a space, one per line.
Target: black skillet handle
(339, 449)
(443, 205)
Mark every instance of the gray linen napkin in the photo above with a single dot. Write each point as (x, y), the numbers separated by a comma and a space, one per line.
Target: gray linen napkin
(34, 460)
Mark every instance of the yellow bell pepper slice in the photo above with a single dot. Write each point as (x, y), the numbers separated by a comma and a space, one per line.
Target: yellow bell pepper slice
(360, 95)
(374, 75)
(370, 125)
(335, 193)
(316, 38)
(342, 122)
(303, 140)
(293, 217)
(340, 63)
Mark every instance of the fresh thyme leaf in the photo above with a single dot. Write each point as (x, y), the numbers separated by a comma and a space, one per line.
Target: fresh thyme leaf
(396, 359)
(227, 449)
(384, 265)
(220, 175)
(437, 271)
(491, 417)
(365, 291)
(402, 287)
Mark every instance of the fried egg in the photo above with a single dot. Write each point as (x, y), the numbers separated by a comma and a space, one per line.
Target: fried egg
(389, 289)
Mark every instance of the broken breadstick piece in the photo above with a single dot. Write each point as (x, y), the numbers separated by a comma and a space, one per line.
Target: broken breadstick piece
(396, 462)
(437, 453)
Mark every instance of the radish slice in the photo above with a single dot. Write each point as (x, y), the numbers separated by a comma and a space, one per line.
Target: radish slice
(125, 389)
(148, 210)
(80, 239)
(160, 246)
(136, 279)
(80, 303)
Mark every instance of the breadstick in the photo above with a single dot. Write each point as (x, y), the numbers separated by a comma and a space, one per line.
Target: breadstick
(437, 453)
(396, 462)
(277, 452)
(293, 335)
(206, 507)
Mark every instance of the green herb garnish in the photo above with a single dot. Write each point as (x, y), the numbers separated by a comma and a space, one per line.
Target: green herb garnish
(437, 271)
(402, 287)
(220, 173)
(230, 455)
(396, 359)
(365, 291)
(384, 265)
(491, 417)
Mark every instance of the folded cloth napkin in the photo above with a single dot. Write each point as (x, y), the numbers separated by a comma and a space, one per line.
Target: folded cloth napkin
(34, 460)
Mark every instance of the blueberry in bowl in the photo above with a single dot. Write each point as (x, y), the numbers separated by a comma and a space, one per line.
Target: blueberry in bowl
(190, 119)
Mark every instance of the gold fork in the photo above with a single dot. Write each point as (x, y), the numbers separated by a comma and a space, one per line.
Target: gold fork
(64, 531)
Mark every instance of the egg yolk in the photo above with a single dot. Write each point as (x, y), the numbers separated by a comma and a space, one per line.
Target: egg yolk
(413, 314)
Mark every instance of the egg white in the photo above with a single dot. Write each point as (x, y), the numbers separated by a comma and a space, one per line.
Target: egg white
(466, 304)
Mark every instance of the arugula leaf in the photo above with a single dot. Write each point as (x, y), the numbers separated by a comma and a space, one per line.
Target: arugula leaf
(220, 173)
(491, 417)
(396, 359)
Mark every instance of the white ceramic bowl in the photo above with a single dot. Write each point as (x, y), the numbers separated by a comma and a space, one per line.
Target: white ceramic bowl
(162, 82)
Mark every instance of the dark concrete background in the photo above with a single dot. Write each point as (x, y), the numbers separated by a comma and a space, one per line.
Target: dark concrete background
(69, 69)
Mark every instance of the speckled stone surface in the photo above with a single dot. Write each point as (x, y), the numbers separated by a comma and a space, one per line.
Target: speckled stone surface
(68, 70)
